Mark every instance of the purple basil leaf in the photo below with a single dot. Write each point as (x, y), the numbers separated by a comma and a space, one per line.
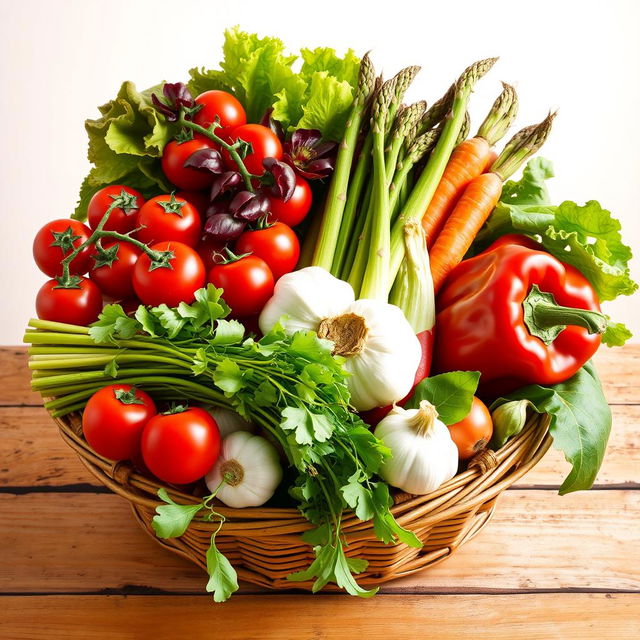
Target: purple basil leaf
(177, 94)
(224, 226)
(274, 125)
(208, 159)
(249, 206)
(166, 111)
(284, 178)
(325, 149)
(305, 138)
(225, 182)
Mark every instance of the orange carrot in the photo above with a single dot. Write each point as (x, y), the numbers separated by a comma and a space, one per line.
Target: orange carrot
(492, 157)
(470, 213)
(469, 159)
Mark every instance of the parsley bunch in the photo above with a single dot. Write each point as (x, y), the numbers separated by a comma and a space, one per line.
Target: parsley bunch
(291, 386)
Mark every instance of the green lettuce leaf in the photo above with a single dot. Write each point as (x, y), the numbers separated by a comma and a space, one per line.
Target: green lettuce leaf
(343, 69)
(327, 107)
(580, 422)
(531, 188)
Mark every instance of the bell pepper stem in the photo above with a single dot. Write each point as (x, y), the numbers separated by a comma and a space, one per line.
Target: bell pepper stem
(546, 319)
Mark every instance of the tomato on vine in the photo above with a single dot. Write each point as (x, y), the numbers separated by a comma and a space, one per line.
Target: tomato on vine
(169, 218)
(171, 278)
(276, 244)
(261, 143)
(247, 282)
(121, 219)
(221, 107)
(56, 240)
(113, 420)
(176, 153)
(113, 268)
(293, 211)
(182, 445)
(80, 303)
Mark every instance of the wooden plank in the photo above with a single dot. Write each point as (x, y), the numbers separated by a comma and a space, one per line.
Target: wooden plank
(619, 370)
(14, 378)
(535, 617)
(57, 543)
(34, 454)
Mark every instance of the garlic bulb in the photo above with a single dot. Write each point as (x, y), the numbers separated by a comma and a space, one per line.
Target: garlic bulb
(251, 470)
(423, 455)
(228, 421)
(381, 349)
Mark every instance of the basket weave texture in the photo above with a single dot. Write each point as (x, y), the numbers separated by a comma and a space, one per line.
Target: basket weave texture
(264, 544)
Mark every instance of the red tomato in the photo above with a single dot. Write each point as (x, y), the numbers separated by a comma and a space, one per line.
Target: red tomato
(175, 154)
(115, 280)
(81, 305)
(58, 239)
(211, 250)
(180, 448)
(222, 105)
(113, 420)
(294, 210)
(122, 219)
(247, 283)
(264, 144)
(197, 199)
(169, 218)
(277, 245)
(169, 285)
(474, 432)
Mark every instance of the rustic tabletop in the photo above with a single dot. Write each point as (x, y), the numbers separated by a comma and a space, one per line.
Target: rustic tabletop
(75, 564)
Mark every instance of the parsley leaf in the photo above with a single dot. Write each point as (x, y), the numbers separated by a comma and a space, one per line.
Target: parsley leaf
(223, 580)
(171, 520)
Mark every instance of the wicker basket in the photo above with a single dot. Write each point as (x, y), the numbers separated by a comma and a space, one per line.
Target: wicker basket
(264, 544)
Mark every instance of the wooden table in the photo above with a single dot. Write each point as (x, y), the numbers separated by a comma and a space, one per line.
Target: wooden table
(75, 565)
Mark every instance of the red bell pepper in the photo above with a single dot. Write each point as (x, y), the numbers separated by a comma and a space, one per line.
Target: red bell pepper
(519, 316)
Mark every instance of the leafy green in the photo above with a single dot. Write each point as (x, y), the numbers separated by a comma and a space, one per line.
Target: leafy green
(531, 188)
(616, 334)
(451, 394)
(171, 520)
(223, 580)
(125, 145)
(261, 74)
(580, 422)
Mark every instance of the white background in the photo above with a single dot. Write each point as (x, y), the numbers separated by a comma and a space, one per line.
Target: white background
(60, 59)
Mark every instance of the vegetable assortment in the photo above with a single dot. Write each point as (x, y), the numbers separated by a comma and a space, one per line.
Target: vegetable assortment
(276, 255)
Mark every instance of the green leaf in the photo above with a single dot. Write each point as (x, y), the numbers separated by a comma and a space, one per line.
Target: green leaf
(170, 320)
(345, 69)
(207, 80)
(113, 322)
(229, 377)
(296, 419)
(148, 321)
(385, 525)
(531, 188)
(360, 499)
(111, 369)
(616, 334)
(265, 395)
(580, 422)
(171, 520)
(328, 105)
(228, 332)
(451, 394)
(223, 579)
(200, 362)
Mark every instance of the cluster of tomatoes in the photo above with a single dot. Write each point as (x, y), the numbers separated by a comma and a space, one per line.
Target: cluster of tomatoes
(179, 446)
(118, 270)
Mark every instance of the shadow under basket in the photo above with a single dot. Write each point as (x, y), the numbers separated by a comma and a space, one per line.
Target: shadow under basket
(264, 545)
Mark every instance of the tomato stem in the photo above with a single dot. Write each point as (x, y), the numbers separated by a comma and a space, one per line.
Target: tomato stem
(231, 148)
(66, 281)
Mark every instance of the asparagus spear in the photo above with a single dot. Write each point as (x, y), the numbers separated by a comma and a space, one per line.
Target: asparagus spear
(402, 80)
(426, 184)
(406, 121)
(336, 197)
(375, 281)
(500, 117)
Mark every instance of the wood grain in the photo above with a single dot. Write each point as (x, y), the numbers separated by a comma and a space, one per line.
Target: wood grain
(535, 617)
(39, 456)
(619, 389)
(536, 540)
